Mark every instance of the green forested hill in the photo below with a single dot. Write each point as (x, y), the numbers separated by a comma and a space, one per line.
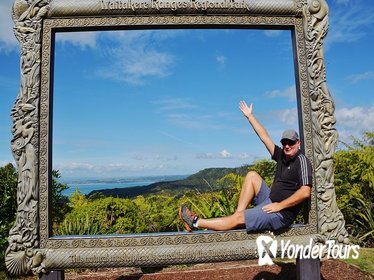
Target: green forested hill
(204, 180)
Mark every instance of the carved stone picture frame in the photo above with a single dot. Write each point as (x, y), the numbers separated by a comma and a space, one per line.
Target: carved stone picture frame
(33, 248)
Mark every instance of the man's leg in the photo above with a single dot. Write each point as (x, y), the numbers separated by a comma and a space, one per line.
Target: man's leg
(250, 188)
(252, 219)
(233, 221)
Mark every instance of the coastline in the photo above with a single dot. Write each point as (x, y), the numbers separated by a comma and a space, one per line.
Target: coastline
(87, 186)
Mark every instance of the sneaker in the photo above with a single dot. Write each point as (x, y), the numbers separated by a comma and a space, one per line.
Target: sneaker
(188, 218)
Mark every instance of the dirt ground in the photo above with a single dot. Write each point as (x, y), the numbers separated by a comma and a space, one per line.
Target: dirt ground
(330, 270)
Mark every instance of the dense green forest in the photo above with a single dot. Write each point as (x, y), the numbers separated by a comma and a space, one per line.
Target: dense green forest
(210, 193)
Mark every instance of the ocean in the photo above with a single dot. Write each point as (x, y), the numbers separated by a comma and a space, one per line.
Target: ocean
(87, 186)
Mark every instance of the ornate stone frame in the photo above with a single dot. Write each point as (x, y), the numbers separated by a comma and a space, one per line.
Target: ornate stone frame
(32, 248)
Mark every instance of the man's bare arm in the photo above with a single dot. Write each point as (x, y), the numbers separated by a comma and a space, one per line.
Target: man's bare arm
(257, 127)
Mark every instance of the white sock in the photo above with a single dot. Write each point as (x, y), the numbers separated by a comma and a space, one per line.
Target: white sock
(196, 224)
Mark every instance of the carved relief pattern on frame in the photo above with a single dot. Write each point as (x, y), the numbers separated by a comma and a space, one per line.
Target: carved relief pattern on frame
(21, 256)
(305, 105)
(133, 21)
(31, 249)
(331, 220)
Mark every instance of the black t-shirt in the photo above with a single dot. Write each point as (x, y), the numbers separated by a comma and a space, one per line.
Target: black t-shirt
(290, 176)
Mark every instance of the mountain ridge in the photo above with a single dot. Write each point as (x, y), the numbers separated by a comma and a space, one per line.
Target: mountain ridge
(204, 180)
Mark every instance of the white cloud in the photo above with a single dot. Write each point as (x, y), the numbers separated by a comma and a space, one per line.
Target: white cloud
(288, 93)
(139, 157)
(185, 113)
(354, 121)
(207, 156)
(133, 56)
(77, 169)
(134, 69)
(350, 121)
(8, 41)
(347, 22)
(148, 63)
(289, 117)
(221, 59)
(243, 156)
(224, 154)
(355, 78)
(82, 40)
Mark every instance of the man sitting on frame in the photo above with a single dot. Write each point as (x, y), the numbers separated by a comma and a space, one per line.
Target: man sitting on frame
(274, 208)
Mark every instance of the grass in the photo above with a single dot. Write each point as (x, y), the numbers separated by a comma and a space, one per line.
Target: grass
(365, 261)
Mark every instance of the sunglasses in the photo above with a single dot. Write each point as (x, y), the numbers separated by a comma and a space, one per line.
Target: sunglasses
(288, 142)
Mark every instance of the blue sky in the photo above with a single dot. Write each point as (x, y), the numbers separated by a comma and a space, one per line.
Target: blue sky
(165, 102)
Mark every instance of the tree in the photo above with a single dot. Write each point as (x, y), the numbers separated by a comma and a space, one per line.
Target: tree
(8, 201)
(266, 169)
(8, 205)
(60, 203)
(354, 183)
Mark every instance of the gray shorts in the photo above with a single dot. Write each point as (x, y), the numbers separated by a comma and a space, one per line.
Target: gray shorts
(257, 219)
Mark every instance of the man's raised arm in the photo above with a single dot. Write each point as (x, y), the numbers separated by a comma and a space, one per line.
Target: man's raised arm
(257, 127)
